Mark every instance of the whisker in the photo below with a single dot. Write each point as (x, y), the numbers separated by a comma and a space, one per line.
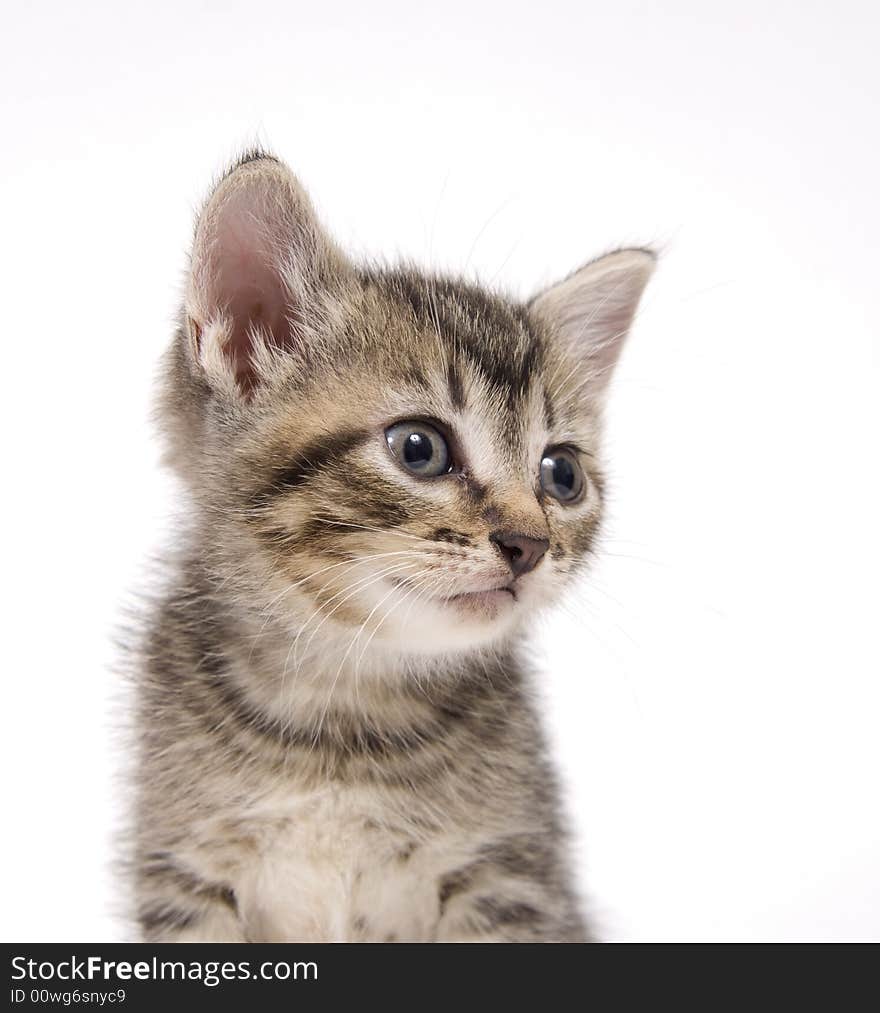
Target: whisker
(348, 563)
(348, 650)
(347, 593)
(417, 582)
(367, 527)
(358, 585)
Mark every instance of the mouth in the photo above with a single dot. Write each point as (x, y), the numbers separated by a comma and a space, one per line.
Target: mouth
(478, 603)
(487, 602)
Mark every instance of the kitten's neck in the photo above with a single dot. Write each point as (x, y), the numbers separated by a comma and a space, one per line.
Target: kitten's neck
(276, 675)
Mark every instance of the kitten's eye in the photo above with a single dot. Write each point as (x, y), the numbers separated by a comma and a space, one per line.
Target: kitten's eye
(561, 475)
(419, 448)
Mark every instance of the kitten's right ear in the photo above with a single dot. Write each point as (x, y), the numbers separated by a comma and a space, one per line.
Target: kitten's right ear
(259, 261)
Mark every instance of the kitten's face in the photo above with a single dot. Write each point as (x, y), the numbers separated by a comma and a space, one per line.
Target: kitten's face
(405, 462)
(403, 492)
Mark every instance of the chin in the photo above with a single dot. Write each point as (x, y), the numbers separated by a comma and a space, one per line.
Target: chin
(458, 623)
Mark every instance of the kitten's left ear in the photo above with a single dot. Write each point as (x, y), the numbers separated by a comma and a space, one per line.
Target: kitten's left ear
(591, 311)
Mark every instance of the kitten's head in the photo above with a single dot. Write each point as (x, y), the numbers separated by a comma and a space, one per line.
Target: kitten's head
(384, 457)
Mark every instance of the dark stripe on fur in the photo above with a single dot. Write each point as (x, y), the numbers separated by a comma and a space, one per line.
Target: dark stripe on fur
(498, 912)
(549, 413)
(165, 918)
(310, 459)
(160, 868)
(453, 884)
(456, 387)
(337, 736)
(448, 535)
(524, 857)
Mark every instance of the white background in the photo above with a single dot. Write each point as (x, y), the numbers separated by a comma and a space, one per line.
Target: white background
(714, 688)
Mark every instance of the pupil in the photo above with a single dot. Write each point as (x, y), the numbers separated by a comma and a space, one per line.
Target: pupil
(417, 450)
(563, 473)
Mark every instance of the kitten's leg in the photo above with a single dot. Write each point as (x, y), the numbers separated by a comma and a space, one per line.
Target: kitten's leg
(488, 901)
(499, 917)
(174, 905)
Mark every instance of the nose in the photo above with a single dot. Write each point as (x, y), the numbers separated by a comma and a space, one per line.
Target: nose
(521, 552)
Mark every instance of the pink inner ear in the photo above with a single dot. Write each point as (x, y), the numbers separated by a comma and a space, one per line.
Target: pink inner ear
(245, 278)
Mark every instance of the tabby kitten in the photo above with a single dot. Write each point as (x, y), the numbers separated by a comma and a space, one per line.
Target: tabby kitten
(388, 475)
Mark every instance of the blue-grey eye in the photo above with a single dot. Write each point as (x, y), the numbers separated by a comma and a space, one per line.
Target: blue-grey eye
(561, 475)
(419, 448)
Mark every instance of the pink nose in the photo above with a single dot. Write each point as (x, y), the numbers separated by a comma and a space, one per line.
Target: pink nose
(521, 552)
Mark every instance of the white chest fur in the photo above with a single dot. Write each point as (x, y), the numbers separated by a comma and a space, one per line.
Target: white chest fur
(337, 865)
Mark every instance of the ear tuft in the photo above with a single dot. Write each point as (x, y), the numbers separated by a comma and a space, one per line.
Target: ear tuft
(258, 256)
(591, 311)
